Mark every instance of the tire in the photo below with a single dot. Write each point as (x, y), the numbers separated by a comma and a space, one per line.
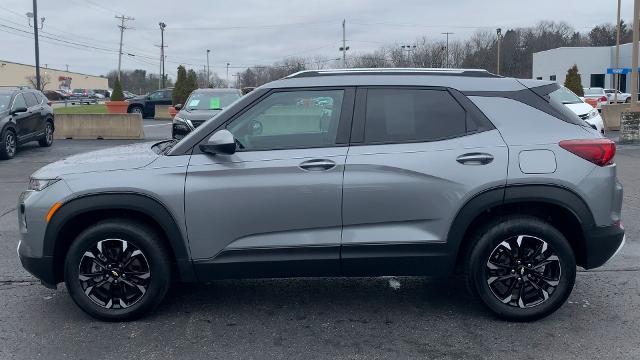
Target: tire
(627, 101)
(125, 267)
(47, 140)
(135, 110)
(8, 144)
(492, 268)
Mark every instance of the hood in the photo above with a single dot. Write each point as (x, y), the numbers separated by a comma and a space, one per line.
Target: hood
(118, 158)
(197, 115)
(580, 108)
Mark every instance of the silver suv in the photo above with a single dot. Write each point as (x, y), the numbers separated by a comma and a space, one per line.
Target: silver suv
(339, 173)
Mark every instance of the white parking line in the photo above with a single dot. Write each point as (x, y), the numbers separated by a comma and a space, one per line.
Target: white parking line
(157, 125)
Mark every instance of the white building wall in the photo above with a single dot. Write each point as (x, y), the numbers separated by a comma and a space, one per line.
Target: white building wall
(590, 60)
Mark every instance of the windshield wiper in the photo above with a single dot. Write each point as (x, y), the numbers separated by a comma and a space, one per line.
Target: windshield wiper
(215, 109)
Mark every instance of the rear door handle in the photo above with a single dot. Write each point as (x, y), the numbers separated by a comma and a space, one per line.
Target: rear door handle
(475, 159)
(317, 165)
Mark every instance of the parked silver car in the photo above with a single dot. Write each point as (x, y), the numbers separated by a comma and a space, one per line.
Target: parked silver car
(361, 172)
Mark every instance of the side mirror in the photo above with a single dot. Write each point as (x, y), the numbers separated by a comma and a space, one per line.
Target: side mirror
(18, 110)
(221, 142)
(178, 107)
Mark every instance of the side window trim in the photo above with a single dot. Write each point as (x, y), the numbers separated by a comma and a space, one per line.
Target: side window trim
(344, 124)
(360, 110)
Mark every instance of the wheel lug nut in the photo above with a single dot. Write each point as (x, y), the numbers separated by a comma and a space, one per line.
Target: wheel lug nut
(513, 271)
(528, 265)
(519, 279)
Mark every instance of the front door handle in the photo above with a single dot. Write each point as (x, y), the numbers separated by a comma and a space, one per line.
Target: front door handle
(475, 159)
(317, 165)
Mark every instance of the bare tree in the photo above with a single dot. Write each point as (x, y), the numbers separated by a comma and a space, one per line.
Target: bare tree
(44, 81)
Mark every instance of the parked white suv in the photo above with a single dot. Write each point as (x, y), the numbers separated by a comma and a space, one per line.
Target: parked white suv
(585, 111)
(622, 97)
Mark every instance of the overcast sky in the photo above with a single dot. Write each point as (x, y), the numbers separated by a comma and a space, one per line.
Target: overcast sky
(249, 32)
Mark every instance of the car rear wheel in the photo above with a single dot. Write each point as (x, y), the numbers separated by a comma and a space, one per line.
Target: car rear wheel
(47, 140)
(8, 145)
(117, 270)
(628, 100)
(521, 267)
(135, 110)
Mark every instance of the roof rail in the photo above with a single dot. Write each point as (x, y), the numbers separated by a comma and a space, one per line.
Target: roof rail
(16, 87)
(393, 71)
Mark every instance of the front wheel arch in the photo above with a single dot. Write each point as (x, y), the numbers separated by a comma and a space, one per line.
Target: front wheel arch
(75, 214)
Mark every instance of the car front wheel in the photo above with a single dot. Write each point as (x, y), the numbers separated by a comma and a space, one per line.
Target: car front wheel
(117, 270)
(521, 267)
(135, 110)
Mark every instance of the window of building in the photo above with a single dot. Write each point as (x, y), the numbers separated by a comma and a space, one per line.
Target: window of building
(552, 78)
(539, 78)
(597, 80)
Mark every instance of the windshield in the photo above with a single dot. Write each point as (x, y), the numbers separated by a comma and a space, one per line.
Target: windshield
(593, 91)
(5, 101)
(565, 96)
(210, 100)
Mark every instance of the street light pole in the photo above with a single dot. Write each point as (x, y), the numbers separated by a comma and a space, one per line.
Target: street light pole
(35, 34)
(344, 46)
(616, 77)
(228, 84)
(162, 26)
(208, 70)
(499, 34)
(634, 56)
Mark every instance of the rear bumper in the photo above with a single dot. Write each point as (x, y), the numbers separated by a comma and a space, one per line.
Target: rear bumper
(601, 244)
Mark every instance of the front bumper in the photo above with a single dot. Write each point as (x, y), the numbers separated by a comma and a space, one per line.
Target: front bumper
(602, 244)
(40, 267)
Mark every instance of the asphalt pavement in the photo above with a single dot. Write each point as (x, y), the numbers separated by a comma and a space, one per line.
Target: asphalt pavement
(362, 318)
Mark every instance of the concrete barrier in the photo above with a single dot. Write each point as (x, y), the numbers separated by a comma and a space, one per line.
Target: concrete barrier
(99, 126)
(162, 113)
(611, 115)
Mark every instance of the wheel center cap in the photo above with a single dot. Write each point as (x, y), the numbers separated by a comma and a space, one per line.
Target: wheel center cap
(114, 273)
(521, 270)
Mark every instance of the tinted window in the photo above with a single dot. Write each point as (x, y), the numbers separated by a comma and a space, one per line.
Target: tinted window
(30, 98)
(40, 97)
(210, 100)
(5, 101)
(565, 96)
(399, 115)
(19, 102)
(289, 120)
(156, 95)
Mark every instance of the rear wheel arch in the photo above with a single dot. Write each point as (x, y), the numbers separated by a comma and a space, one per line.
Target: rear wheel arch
(80, 213)
(557, 205)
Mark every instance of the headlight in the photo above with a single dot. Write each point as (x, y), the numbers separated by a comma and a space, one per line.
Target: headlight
(593, 113)
(41, 184)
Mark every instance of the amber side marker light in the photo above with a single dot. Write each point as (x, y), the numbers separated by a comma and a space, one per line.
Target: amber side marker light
(53, 210)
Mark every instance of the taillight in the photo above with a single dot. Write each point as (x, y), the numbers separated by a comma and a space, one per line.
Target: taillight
(597, 151)
(604, 99)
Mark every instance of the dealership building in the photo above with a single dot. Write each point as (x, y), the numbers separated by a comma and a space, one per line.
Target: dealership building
(15, 74)
(595, 65)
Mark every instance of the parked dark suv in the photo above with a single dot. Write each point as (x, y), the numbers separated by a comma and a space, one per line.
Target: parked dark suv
(202, 105)
(146, 104)
(25, 115)
(339, 173)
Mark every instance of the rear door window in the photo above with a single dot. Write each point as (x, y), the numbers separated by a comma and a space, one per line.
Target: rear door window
(412, 115)
(30, 99)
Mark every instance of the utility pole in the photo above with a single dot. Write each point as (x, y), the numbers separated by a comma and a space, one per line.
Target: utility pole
(237, 76)
(228, 84)
(208, 70)
(499, 34)
(616, 77)
(34, 15)
(447, 51)
(634, 56)
(67, 65)
(162, 26)
(344, 46)
(123, 19)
